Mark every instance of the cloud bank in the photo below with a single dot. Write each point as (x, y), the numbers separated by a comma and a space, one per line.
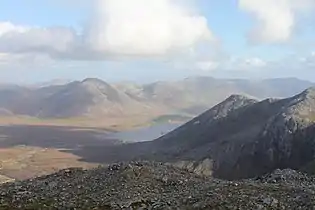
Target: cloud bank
(167, 29)
(24, 39)
(276, 18)
(119, 28)
(142, 27)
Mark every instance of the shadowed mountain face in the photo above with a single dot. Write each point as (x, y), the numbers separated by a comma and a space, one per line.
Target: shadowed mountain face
(245, 139)
(95, 98)
(238, 138)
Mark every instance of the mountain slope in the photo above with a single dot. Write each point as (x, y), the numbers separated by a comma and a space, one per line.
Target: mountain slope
(288, 139)
(79, 98)
(238, 138)
(248, 140)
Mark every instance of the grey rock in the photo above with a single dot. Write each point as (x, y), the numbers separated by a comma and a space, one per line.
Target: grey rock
(152, 185)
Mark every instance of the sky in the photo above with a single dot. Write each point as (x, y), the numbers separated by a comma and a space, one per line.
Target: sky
(150, 40)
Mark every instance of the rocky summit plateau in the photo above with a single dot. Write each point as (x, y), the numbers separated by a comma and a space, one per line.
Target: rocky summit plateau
(152, 185)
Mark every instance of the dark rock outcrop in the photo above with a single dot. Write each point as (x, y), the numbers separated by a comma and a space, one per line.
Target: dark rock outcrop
(286, 141)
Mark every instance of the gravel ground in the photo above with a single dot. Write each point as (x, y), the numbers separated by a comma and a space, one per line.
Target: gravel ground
(148, 185)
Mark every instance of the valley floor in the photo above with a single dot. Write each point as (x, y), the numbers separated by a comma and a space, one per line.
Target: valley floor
(27, 151)
(31, 147)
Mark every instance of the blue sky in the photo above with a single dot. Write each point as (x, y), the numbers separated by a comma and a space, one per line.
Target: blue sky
(148, 40)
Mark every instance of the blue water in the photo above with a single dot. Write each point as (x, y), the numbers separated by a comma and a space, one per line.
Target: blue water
(145, 134)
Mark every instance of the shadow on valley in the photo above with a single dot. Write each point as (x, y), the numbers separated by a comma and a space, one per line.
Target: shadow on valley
(74, 140)
(91, 145)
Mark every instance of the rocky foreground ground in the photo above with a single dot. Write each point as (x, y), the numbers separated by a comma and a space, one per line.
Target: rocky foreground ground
(157, 186)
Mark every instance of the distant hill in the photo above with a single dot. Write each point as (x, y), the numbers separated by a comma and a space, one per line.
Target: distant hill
(96, 98)
(89, 98)
(195, 95)
(54, 82)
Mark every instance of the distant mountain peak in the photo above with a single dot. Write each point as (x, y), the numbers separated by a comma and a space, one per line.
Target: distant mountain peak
(236, 100)
(93, 81)
(229, 105)
(239, 97)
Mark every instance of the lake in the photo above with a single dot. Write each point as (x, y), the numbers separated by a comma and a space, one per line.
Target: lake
(144, 134)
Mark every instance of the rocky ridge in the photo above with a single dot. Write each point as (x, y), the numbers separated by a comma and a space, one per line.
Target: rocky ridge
(245, 138)
(238, 138)
(286, 140)
(152, 185)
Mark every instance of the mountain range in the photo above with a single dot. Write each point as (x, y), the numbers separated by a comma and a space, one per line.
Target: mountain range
(96, 98)
(240, 137)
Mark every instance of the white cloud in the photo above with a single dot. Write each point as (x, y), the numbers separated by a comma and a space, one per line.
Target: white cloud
(120, 28)
(26, 39)
(7, 27)
(145, 28)
(276, 18)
